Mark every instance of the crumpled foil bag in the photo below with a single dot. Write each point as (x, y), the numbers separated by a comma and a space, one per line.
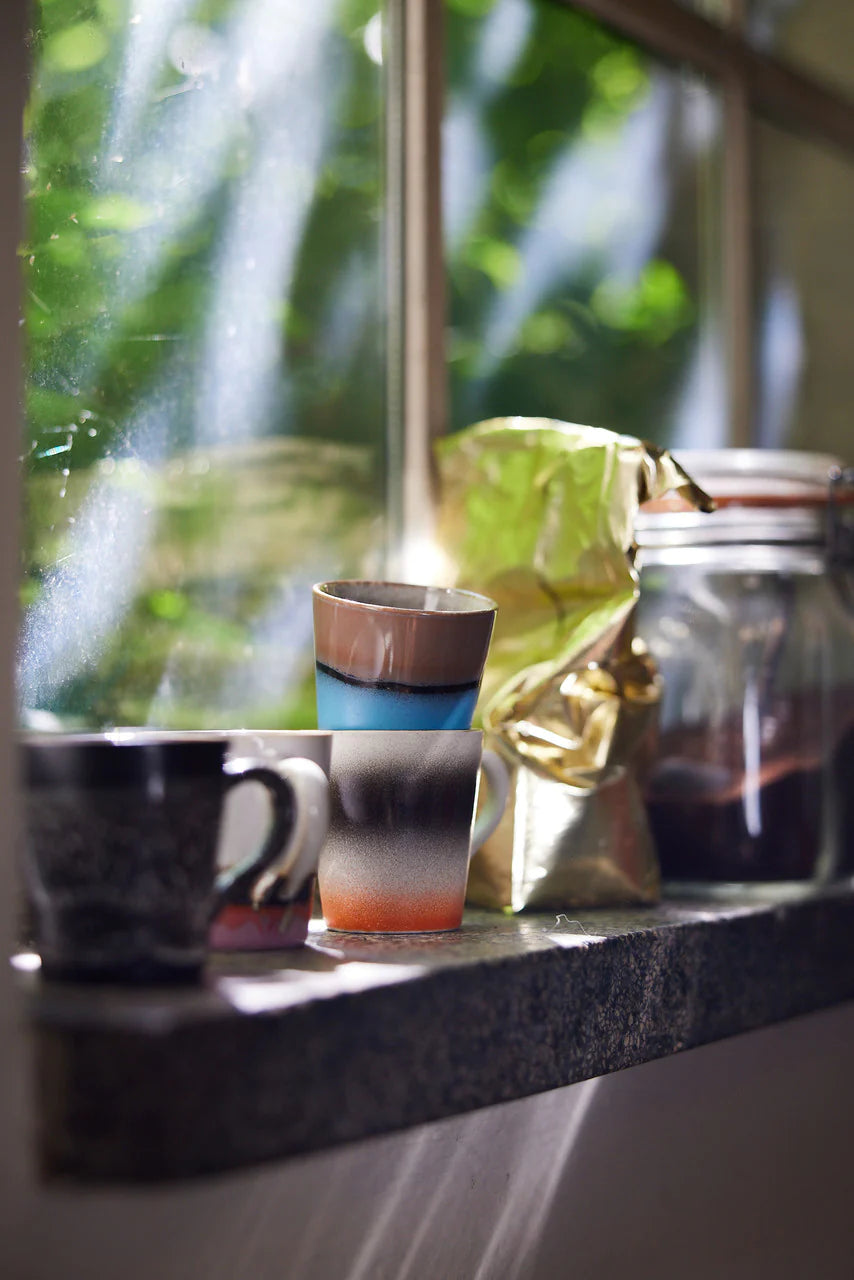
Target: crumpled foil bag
(539, 515)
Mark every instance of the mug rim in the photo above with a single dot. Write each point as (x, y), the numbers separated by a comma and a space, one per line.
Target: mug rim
(393, 734)
(103, 738)
(57, 759)
(485, 604)
(138, 735)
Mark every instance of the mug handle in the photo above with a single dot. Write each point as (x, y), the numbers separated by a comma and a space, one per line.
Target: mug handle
(490, 815)
(301, 855)
(279, 851)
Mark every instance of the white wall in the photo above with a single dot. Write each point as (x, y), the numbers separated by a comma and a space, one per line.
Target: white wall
(732, 1161)
(728, 1163)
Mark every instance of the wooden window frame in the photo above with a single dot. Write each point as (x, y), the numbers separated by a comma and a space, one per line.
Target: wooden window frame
(752, 84)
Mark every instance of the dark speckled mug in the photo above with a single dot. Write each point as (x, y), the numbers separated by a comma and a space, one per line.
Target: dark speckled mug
(120, 851)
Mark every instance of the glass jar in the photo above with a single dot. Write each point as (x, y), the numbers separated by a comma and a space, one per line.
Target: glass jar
(749, 614)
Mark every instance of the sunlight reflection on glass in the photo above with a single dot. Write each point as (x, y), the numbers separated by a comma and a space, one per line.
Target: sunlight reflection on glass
(467, 160)
(580, 178)
(372, 39)
(781, 362)
(603, 201)
(206, 305)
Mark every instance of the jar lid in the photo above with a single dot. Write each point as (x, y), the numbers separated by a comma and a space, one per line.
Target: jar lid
(762, 496)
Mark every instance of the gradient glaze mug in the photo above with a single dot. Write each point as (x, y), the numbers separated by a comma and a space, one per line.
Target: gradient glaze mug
(402, 829)
(394, 656)
(120, 849)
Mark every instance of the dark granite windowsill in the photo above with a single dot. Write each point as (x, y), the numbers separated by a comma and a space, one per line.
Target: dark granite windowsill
(355, 1036)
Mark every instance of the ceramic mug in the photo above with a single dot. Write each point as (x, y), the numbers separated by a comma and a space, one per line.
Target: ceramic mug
(120, 850)
(402, 829)
(279, 910)
(393, 656)
(276, 912)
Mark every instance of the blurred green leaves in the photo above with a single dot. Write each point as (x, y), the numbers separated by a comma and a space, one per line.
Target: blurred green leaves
(621, 81)
(552, 308)
(653, 309)
(620, 78)
(109, 343)
(75, 48)
(170, 606)
(471, 8)
(115, 213)
(121, 292)
(547, 333)
(497, 259)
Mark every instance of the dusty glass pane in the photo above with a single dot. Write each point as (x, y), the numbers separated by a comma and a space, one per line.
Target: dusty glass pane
(205, 399)
(817, 36)
(582, 227)
(805, 294)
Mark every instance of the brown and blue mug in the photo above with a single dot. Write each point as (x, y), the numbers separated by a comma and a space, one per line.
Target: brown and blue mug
(391, 655)
(120, 851)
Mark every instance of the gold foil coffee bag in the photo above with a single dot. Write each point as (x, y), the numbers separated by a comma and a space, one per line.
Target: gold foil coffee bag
(539, 515)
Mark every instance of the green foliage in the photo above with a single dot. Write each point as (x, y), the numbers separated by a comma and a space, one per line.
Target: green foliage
(653, 309)
(471, 8)
(587, 346)
(171, 606)
(497, 259)
(76, 48)
(549, 333)
(119, 295)
(115, 213)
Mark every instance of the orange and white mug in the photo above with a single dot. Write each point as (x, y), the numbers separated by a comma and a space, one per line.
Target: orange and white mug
(402, 827)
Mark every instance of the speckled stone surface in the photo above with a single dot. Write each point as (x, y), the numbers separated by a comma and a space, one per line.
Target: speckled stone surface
(359, 1035)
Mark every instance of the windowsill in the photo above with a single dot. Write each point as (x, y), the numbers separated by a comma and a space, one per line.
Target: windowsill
(294, 1052)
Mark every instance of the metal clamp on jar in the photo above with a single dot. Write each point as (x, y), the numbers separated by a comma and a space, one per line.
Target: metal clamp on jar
(750, 614)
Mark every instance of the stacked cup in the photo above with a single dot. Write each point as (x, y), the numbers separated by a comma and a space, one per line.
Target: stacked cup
(398, 675)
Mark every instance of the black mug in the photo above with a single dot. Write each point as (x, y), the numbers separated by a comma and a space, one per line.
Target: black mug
(120, 851)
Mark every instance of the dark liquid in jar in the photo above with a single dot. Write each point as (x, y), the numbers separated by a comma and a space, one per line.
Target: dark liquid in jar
(714, 820)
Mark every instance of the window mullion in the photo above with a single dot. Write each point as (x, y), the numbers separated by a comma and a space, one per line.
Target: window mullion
(394, 246)
(423, 357)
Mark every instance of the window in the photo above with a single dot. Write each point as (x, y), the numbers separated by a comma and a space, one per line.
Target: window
(645, 217)
(273, 248)
(582, 179)
(205, 314)
(804, 204)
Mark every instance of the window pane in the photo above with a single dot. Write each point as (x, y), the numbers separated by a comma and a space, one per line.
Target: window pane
(206, 361)
(805, 294)
(815, 35)
(581, 195)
